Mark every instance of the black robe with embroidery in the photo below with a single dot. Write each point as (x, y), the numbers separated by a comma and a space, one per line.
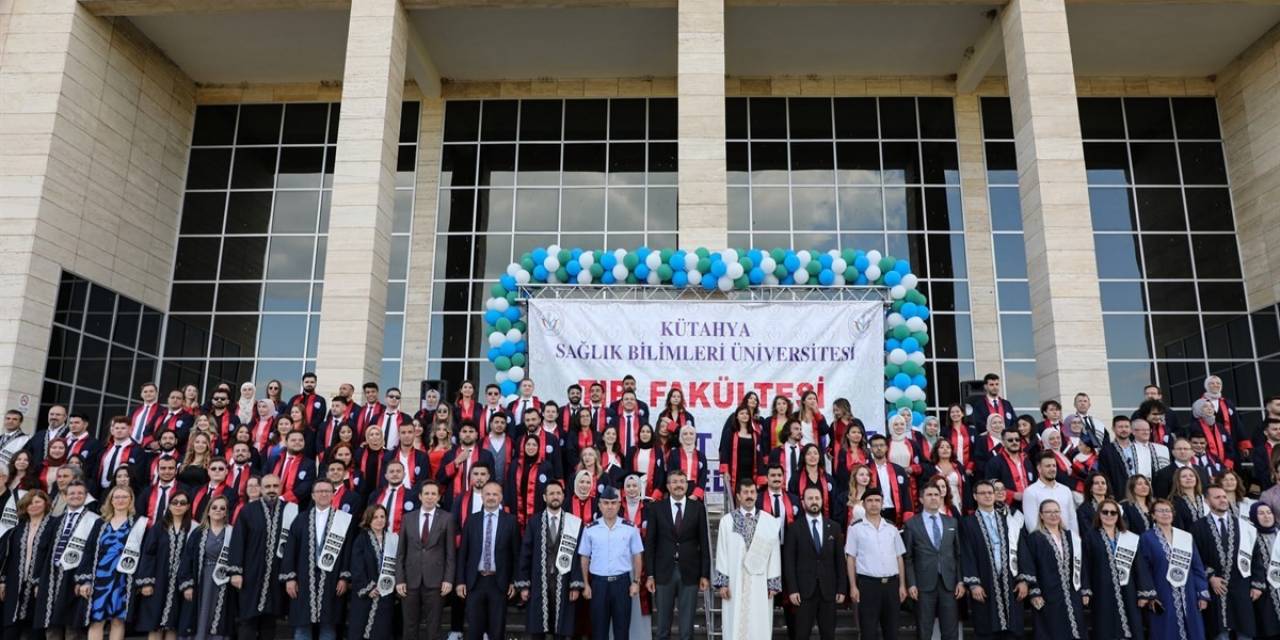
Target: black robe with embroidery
(1114, 606)
(162, 550)
(1267, 607)
(368, 617)
(1000, 611)
(315, 603)
(255, 543)
(550, 609)
(1238, 615)
(1062, 616)
(191, 575)
(56, 602)
(20, 596)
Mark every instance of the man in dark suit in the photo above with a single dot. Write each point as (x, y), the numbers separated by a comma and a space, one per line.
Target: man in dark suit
(978, 407)
(677, 555)
(814, 574)
(629, 386)
(1183, 456)
(933, 567)
(486, 566)
(425, 564)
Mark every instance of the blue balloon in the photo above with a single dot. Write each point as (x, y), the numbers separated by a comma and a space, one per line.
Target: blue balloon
(790, 279)
(508, 282)
(494, 352)
(512, 313)
(540, 273)
(522, 347)
(680, 279)
(922, 312)
(756, 275)
(491, 316)
(826, 278)
(902, 381)
(642, 253)
(718, 268)
(891, 344)
(708, 282)
(825, 261)
(909, 309)
(910, 345)
(677, 261)
(861, 281)
(892, 278)
(575, 253)
(507, 348)
(861, 263)
(919, 380)
(642, 271)
(573, 268)
(791, 262)
(507, 387)
(607, 278)
(755, 255)
(608, 261)
(902, 267)
(539, 255)
(917, 418)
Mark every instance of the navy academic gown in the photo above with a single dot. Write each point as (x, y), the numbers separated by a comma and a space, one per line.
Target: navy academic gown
(161, 560)
(254, 557)
(56, 602)
(368, 617)
(11, 553)
(550, 610)
(1001, 611)
(1114, 606)
(1237, 615)
(1180, 617)
(1062, 617)
(316, 588)
(191, 576)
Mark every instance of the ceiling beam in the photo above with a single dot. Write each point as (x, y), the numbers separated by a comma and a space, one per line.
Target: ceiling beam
(979, 58)
(420, 66)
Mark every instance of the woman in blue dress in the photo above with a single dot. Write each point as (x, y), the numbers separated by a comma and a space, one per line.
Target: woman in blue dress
(109, 590)
(1176, 614)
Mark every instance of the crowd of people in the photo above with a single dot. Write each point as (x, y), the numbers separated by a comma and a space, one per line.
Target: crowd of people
(348, 517)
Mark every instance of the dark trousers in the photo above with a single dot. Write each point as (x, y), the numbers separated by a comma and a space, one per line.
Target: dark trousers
(486, 605)
(817, 609)
(15, 631)
(938, 605)
(675, 594)
(261, 627)
(421, 609)
(610, 606)
(878, 607)
(457, 613)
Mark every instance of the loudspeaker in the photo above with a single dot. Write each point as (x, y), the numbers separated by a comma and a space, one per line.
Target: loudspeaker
(441, 386)
(969, 388)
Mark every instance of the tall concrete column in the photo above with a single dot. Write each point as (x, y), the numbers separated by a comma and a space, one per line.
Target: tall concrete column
(978, 247)
(703, 197)
(1066, 305)
(355, 292)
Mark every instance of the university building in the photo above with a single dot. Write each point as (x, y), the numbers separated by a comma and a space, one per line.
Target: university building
(199, 191)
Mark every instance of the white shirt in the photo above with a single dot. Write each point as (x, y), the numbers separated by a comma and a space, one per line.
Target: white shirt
(886, 481)
(1039, 492)
(875, 550)
(422, 519)
(322, 518)
(815, 521)
(477, 502)
(674, 502)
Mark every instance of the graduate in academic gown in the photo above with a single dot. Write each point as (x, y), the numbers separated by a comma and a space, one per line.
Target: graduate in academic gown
(687, 457)
(160, 600)
(1266, 606)
(1121, 585)
(56, 604)
(32, 537)
(549, 593)
(526, 477)
(312, 590)
(255, 557)
(986, 567)
(1218, 537)
(208, 608)
(1178, 609)
(1062, 588)
(369, 612)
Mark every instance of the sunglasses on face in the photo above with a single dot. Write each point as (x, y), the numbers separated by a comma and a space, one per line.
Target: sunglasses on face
(1109, 512)
(394, 397)
(176, 503)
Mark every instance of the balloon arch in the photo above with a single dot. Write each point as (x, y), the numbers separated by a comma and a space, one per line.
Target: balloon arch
(906, 329)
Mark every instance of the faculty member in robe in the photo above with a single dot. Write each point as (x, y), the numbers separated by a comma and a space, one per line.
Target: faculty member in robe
(26, 553)
(314, 568)
(549, 577)
(208, 609)
(369, 610)
(1062, 588)
(1182, 590)
(748, 566)
(159, 601)
(991, 551)
(256, 552)
(1121, 585)
(1218, 539)
(58, 612)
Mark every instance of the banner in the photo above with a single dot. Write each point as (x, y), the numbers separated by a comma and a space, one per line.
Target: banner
(714, 352)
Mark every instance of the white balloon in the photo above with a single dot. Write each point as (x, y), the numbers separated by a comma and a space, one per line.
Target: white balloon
(513, 268)
(801, 276)
(897, 356)
(724, 283)
(587, 259)
(767, 264)
(551, 263)
(690, 262)
(872, 273)
(804, 256)
(914, 393)
(695, 277)
(874, 256)
(523, 276)
(517, 373)
(620, 254)
(497, 338)
(619, 272)
(898, 292)
(839, 281)
(514, 335)
(500, 377)
(915, 324)
(834, 253)
(910, 281)
(894, 319)
(734, 270)
(584, 276)
(500, 304)
(729, 255)
(892, 394)
(553, 249)
(653, 260)
(916, 357)
(510, 398)
(770, 280)
(488, 304)
(653, 277)
(552, 278)
(838, 265)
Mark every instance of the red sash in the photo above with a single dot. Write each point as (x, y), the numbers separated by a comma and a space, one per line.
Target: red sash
(153, 501)
(155, 464)
(688, 462)
(339, 493)
(121, 459)
(170, 421)
(395, 510)
(776, 423)
(1017, 470)
(466, 410)
(486, 415)
(838, 429)
(224, 424)
(584, 509)
(262, 434)
(960, 445)
(459, 469)
(601, 419)
(409, 463)
(200, 496)
(649, 489)
(48, 475)
(785, 502)
(76, 445)
(140, 422)
(287, 470)
(307, 402)
(901, 513)
(526, 490)
(585, 439)
(1216, 442)
(732, 464)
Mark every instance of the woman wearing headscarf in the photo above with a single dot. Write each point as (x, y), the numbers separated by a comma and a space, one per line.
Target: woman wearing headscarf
(927, 437)
(1224, 411)
(1218, 439)
(902, 449)
(526, 479)
(246, 402)
(1264, 589)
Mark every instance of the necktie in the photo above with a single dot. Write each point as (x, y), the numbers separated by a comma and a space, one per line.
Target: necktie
(935, 532)
(426, 529)
(386, 422)
(111, 465)
(555, 530)
(817, 537)
(368, 414)
(795, 458)
(66, 533)
(1222, 528)
(486, 560)
(679, 516)
(777, 505)
(140, 424)
(162, 506)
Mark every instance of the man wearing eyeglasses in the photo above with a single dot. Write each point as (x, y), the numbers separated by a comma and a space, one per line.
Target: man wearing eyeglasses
(1010, 465)
(990, 542)
(391, 419)
(492, 407)
(371, 411)
(312, 590)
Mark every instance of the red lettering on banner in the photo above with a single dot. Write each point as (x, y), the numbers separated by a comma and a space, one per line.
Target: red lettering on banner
(783, 389)
(698, 394)
(657, 394)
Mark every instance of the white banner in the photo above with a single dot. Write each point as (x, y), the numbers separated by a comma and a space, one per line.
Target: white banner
(714, 352)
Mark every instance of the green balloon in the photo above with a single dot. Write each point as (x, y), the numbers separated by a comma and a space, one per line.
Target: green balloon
(520, 324)
(517, 360)
(598, 255)
(901, 332)
(891, 370)
(564, 256)
(502, 363)
(911, 368)
(511, 296)
(916, 297)
(850, 274)
(503, 324)
(596, 270)
(903, 403)
(886, 264)
(527, 263)
(665, 272)
(780, 271)
(704, 265)
(562, 275)
(897, 305)
(849, 255)
(498, 290)
(630, 261)
(919, 406)
(747, 263)
(632, 279)
(666, 255)
(778, 255)
(814, 267)
(921, 337)
(741, 283)
(702, 253)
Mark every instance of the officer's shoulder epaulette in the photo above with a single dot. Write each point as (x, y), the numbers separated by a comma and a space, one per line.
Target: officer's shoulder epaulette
(626, 522)
(592, 523)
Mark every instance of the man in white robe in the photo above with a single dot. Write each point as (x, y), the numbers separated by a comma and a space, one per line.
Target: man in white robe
(748, 571)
